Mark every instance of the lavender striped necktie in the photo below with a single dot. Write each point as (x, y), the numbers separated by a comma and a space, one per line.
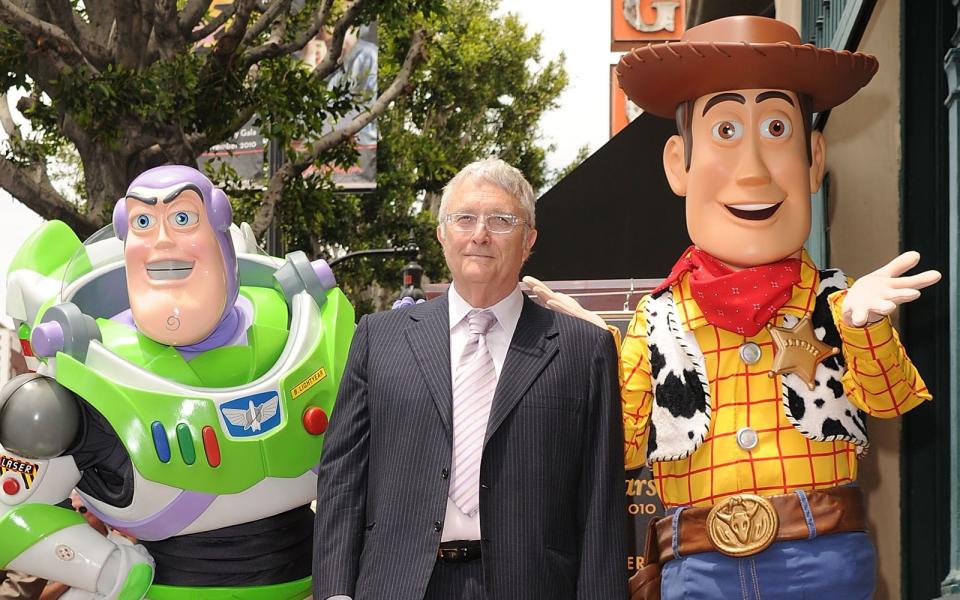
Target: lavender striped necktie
(474, 385)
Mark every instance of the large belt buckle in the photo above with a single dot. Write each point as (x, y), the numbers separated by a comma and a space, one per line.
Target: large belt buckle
(742, 525)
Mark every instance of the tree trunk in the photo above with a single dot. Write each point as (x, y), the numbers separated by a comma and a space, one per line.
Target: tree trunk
(105, 173)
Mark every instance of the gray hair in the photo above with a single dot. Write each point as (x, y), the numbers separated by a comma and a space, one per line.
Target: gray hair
(495, 172)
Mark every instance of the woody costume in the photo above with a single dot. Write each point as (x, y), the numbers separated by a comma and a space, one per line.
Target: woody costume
(744, 389)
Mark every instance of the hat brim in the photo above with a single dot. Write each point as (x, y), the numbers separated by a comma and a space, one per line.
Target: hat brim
(659, 77)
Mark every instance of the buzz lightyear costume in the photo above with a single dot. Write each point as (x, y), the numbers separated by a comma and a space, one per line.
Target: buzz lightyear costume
(205, 453)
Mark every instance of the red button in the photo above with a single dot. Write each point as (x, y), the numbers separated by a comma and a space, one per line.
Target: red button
(11, 487)
(315, 420)
(210, 446)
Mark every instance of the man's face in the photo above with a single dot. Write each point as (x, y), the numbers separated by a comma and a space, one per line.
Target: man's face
(484, 264)
(749, 183)
(176, 278)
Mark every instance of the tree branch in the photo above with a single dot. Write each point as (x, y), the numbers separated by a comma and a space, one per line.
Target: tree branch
(400, 85)
(212, 25)
(6, 118)
(269, 16)
(100, 14)
(330, 61)
(226, 46)
(273, 48)
(64, 16)
(191, 15)
(32, 187)
(131, 33)
(166, 31)
(41, 33)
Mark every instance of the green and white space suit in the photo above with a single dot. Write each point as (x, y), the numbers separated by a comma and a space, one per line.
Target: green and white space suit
(168, 448)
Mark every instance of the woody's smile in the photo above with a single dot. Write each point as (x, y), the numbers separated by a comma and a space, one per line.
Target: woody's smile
(753, 212)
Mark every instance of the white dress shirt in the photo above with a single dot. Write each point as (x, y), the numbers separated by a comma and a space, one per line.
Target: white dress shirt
(456, 524)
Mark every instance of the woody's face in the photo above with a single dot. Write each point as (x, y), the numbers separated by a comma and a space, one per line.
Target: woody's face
(749, 182)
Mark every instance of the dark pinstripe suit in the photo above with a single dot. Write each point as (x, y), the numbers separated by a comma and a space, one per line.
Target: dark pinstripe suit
(552, 498)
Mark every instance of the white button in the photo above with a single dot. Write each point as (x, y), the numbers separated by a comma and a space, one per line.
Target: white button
(64, 553)
(747, 438)
(750, 353)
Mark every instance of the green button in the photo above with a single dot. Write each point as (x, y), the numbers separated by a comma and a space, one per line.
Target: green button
(185, 440)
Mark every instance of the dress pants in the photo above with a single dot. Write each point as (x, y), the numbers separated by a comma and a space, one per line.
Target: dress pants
(456, 581)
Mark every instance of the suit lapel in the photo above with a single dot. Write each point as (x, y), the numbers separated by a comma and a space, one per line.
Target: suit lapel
(533, 346)
(428, 335)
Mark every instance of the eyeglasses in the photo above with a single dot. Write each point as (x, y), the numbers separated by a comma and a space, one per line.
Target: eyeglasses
(495, 223)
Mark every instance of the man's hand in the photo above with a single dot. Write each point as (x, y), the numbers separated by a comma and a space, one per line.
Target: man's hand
(876, 295)
(562, 302)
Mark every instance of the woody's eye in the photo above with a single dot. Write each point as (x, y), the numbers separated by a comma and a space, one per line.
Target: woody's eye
(725, 131)
(775, 128)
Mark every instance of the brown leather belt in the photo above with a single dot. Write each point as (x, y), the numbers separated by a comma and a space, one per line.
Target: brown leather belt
(745, 524)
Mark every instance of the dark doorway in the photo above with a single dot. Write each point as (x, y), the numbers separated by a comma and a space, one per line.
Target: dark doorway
(925, 456)
(614, 216)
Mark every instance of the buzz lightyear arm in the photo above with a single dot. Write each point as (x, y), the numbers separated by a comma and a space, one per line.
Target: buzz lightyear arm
(38, 421)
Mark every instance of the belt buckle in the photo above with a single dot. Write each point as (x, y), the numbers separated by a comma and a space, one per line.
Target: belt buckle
(449, 554)
(453, 554)
(742, 525)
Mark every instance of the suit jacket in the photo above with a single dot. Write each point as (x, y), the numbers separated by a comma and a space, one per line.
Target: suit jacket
(552, 501)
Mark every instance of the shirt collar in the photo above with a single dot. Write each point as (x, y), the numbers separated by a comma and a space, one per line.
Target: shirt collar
(800, 303)
(507, 310)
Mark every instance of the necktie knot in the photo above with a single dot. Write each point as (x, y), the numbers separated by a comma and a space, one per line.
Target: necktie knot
(480, 321)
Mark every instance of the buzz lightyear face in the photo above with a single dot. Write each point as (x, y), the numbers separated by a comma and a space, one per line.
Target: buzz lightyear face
(176, 278)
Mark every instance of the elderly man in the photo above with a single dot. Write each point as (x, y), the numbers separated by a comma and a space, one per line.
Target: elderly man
(475, 451)
(748, 373)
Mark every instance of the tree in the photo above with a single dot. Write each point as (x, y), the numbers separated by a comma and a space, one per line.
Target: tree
(129, 86)
(481, 91)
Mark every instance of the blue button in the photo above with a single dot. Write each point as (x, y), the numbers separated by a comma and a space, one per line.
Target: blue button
(160, 441)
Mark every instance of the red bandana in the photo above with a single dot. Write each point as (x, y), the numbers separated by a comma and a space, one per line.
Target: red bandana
(739, 301)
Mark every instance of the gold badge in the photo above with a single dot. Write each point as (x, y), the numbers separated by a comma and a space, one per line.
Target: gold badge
(314, 378)
(798, 351)
(742, 525)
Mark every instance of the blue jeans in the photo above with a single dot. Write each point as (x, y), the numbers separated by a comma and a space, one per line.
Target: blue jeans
(830, 567)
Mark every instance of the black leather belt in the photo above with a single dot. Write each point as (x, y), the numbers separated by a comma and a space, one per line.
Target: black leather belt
(456, 551)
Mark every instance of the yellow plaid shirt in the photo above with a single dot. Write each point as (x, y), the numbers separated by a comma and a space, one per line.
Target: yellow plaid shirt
(880, 379)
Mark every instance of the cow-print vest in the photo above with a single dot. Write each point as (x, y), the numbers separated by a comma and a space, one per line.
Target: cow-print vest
(680, 418)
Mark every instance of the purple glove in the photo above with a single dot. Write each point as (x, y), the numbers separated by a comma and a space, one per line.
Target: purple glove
(406, 301)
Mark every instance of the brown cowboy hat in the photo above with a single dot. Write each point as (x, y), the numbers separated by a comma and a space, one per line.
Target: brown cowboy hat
(738, 53)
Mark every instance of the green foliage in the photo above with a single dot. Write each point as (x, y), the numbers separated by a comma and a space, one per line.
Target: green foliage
(480, 92)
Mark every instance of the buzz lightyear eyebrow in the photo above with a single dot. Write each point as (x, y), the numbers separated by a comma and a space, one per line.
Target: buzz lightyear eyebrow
(173, 195)
(151, 200)
(726, 96)
(773, 94)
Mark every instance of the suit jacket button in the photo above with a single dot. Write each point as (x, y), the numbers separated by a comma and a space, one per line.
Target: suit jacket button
(484, 486)
(444, 473)
(437, 526)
